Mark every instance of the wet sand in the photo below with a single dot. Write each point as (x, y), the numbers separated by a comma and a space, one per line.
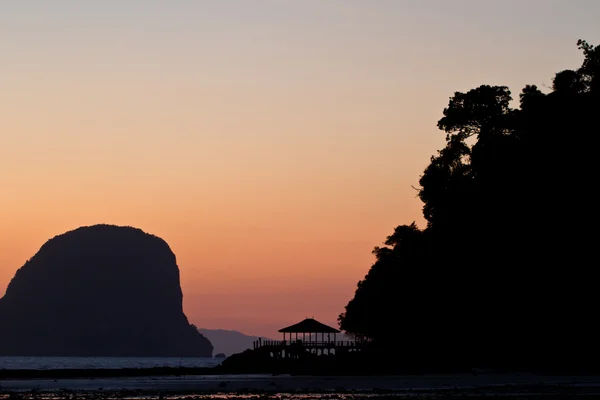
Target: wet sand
(492, 383)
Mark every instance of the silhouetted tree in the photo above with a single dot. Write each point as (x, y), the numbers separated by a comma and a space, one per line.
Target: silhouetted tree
(501, 275)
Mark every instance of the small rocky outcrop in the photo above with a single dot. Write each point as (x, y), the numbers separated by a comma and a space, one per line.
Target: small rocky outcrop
(102, 290)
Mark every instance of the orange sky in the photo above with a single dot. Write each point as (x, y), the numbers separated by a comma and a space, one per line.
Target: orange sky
(271, 144)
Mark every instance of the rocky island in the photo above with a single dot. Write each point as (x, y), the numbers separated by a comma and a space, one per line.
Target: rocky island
(101, 290)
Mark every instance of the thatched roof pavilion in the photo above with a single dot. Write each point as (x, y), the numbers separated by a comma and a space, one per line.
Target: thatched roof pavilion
(309, 326)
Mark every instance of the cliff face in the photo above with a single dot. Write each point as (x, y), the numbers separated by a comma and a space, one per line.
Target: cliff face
(99, 291)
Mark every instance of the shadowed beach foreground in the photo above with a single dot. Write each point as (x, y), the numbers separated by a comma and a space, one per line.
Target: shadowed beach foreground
(248, 386)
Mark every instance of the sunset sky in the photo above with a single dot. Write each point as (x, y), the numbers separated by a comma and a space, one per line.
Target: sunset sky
(271, 143)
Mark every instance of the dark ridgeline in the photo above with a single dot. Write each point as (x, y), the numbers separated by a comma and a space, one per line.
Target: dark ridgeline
(99, 291)
(503, 275)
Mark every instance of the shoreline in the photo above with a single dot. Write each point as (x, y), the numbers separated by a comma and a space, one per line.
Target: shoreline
(272, 384)
(219, 371)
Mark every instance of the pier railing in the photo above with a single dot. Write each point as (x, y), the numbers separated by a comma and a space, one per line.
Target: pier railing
(312, 344)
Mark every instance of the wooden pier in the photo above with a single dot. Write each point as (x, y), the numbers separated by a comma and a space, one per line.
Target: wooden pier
(282, 347)
(311, 337)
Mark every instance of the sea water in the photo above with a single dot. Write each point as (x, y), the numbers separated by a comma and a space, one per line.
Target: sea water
(43, 363)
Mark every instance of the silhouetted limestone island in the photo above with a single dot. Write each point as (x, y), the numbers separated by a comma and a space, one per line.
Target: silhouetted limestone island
(101, 290)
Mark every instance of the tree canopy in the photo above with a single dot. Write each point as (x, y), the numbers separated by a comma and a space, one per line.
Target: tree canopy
(503, 273)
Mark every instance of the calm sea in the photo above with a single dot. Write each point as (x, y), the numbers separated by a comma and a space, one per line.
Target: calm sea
(103, 362)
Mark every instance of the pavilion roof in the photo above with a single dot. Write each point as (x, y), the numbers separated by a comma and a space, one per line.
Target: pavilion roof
(309, 325)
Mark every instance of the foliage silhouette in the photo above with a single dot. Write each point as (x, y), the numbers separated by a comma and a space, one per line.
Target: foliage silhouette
(501, 276)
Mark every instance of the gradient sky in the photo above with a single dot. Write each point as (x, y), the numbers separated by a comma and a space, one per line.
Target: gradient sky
(271, 143)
